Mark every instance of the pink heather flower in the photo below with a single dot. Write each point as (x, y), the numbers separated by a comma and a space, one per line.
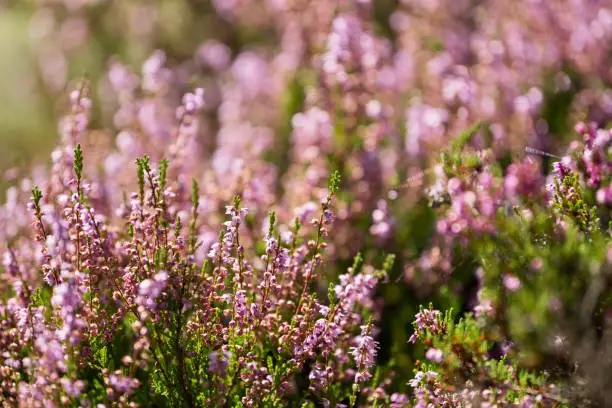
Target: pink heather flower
(149, 290)
(242, 312)
(364, 354)
(399, 400)
(53, 356)
(122, 384)
(536, 264)
(424, 122)
(226, 8)
(218, 362)
(420, 377)
(560, 169)
(511, 282)
(121, 79)
(382, 226)
(523, 180)
(354, 290)
(251, 72)
(72, 388)
(374, 109)
(312, 340)
(327, 404)
(154, 75)
(484, 306)
(215, 54)
(10, 264)
(604, 195)
(192, 102)
(458, 88)
(435, 355)
(427, 320)
(312, 134)
(68, 299)
(320, 376)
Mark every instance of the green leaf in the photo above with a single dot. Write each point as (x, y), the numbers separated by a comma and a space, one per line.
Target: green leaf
(334, 182)
(78, 162)
(464, 137)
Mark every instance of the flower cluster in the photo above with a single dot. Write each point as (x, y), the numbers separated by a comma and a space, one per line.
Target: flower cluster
(129, 287)
(460, 372)
(256, 214)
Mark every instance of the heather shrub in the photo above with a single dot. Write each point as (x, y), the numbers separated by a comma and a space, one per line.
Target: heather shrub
(541, 252)
(313, 203)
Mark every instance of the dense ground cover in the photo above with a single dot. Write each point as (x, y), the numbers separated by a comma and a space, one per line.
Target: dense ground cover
(314, 203)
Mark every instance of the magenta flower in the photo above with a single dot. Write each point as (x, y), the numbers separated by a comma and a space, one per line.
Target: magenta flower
(435, 355)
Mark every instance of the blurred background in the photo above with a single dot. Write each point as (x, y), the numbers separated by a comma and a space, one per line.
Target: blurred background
(46, 45)
(552, 58)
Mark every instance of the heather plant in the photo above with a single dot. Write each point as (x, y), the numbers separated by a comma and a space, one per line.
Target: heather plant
(541, 254)
(125, 314)
(460, 371)
(103, 308)
(254, 206)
